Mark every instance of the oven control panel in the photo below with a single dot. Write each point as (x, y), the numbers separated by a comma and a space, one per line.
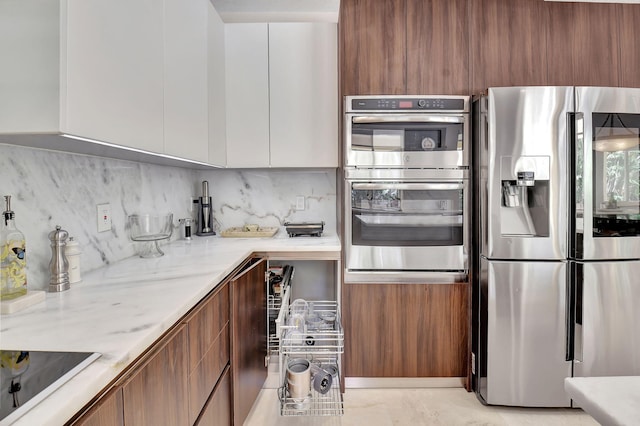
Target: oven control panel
(407, 104)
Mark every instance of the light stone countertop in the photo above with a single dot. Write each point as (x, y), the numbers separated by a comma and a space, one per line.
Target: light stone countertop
(610, 400)
(121, 309)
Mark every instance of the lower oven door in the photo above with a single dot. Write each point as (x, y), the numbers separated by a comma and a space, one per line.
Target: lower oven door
(405, 227)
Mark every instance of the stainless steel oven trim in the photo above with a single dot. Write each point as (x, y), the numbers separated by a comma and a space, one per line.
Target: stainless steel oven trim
(407, 175)
(448, 273)
(410, 118)
(409, 186)
(404, 277)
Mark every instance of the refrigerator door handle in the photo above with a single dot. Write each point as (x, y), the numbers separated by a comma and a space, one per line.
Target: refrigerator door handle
(578, 332)
(570, 312)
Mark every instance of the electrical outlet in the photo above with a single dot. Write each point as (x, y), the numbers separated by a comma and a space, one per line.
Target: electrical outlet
(300, 202)
(104, 217)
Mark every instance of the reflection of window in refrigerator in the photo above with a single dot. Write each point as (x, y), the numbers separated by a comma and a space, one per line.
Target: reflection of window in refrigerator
(622, 176)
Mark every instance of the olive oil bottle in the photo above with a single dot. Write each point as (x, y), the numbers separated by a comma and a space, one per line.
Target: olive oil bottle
(13, 260)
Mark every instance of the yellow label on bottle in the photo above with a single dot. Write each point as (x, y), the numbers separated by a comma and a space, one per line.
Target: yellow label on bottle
(13, 269)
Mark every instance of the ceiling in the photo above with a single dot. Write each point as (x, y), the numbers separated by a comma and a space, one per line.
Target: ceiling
(277, 10)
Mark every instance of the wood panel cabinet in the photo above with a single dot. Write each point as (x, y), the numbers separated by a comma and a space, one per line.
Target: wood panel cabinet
(248, 336)
(437, 47)
(466, 46)
(209, 352)
(109, 411)
(217, 411)
(508, 47)
(582, 44)
(406, 330)
(373, 47)
(208, 369)
(629, 34)
(157, 392)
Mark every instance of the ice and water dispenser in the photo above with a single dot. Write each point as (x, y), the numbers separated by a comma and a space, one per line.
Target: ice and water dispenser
(525, 196)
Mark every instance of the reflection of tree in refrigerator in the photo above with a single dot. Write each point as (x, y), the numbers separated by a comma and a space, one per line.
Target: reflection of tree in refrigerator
(622, 171)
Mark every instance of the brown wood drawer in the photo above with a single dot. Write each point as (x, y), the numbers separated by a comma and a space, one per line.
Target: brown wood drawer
(218, 409)
(108, 411)
(155, 394)
(206, 323)
(206, 373)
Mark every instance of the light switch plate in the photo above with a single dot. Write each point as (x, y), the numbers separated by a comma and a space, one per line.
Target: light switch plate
(300, 202)
(104, 217)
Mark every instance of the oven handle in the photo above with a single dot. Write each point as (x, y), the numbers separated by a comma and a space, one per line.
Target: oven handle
(408, 186)
(409, 118)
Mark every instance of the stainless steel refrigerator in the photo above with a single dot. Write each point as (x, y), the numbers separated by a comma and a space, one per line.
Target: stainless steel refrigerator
(557, 172)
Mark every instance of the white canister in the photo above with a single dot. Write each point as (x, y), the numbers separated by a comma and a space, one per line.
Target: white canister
(72, 253)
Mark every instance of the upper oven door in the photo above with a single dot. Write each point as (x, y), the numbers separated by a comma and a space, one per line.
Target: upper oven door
(407, 140)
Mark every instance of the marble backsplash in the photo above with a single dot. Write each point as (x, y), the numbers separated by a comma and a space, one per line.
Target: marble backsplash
(50, 188)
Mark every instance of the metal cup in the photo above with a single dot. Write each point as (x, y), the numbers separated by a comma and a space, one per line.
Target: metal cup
(298, 378)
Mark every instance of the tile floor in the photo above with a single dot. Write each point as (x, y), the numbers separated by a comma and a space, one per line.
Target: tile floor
(433, 406)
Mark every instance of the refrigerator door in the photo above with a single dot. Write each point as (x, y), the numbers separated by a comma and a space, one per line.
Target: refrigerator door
(605, 213)
(522, 333)
(607, 336)
(524, 174)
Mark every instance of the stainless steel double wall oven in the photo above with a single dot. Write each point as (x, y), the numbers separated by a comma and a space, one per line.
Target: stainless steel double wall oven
(407, 200)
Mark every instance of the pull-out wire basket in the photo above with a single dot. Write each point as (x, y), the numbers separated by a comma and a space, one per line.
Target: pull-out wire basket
(321, 341)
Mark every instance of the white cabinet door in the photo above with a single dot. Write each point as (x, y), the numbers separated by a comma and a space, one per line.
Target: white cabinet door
(30, 66)
(303, 82)
(186, 127)
(112, 72)
(216, 89)
(247, 95)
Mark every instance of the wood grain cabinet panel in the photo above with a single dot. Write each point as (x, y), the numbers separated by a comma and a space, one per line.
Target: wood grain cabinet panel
(108, 411)
(209, 351)
(217, 412)
(405, 330)
(437, 47)
(582, 44)
(157, 393)
(628, 18)
(373, 47)
(508, 45)
(248, 337)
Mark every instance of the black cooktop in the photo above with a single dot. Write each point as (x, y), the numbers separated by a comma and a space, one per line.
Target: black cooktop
(27, 377)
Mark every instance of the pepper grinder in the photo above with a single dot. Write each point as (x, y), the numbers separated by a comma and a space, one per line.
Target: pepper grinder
(59, 265)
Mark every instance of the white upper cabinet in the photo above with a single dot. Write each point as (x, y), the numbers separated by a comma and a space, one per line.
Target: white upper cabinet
(303, 85)
(125, 79)
(186, 115)
(112, 72)
(86, 68)
(282, 95)
(247, 94)
(216, 89)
